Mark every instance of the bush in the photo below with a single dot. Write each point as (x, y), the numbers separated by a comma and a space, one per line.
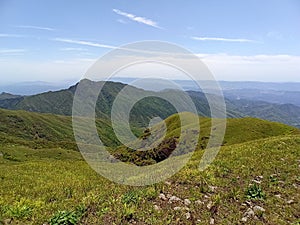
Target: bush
(64, 218)
(131, 197)
(255, 192)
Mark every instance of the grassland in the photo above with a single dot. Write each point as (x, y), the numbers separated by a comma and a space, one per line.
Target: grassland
(258, 165)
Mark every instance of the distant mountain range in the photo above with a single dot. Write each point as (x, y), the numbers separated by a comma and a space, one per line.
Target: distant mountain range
(60, 102)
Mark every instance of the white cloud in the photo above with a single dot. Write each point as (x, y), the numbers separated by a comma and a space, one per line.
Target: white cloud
(222, 39)
(122, 21)
(276, 68)
(12, 36)
(35, 27)
(73, 49)
(86, 43)
(138, 19)
(11, 52)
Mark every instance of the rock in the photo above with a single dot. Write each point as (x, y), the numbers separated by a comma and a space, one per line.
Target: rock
(7, 221)
(177, 208)
(290, 201)
(199, 202)
(212, 188)
(174, 199)
(278, 196)
(256, 181)
(156, 207)
(211, 221)
(168, 183)
(209, 205)
(257, 209)
(187, 201)
(244, 219)
(249, 203)
(187, 215)
(162, 197)
(249, 213)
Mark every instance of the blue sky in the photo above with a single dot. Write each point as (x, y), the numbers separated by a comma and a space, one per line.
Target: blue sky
(238, 40)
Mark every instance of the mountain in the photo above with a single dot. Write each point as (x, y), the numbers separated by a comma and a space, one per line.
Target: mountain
(272, 96)
(283, 113)
(61, 102)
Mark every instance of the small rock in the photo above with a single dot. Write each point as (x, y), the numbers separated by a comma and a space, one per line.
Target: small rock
(205, 196)
(256, 181)
(168, 183)
(162, 197)
(174, 199)
(212, 188)
(209, 205)
(290, 201)
(248, 203)
(296, 185)
(177, 208)
(278, 196)
(156, 207)
(258, 209)
(212, 221)
(199, 202)
(249, 213)
(187, 215)
(244, 219)
(187, 201)
(7, 221)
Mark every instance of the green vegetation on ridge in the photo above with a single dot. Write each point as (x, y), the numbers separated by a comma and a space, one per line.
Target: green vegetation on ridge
(51, 183)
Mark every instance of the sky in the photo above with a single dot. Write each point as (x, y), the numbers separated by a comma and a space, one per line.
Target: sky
(55, 41)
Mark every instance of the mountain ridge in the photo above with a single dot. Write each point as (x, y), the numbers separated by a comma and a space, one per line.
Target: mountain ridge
(61, 102)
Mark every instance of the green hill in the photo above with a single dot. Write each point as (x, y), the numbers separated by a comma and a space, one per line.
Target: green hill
(61, 102)
(41, 130)
(238, 130)
(253, 180)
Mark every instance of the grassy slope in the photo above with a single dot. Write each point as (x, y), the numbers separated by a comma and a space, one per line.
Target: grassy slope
(37, 183)
(45, 130)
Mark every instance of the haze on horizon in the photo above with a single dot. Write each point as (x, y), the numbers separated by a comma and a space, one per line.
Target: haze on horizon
(55, 41)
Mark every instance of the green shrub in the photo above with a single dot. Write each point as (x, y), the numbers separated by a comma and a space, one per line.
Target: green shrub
(19, 211)
(255, 192)
(131, 197)
(64, 218)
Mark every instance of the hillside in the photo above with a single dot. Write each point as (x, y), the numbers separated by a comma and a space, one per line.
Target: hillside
(238, 130)
(60, 102)
(46, 130)
(253, 180)
(283, 113)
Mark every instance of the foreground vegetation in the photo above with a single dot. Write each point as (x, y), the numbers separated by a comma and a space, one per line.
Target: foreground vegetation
(254, 180)
(40, 185)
